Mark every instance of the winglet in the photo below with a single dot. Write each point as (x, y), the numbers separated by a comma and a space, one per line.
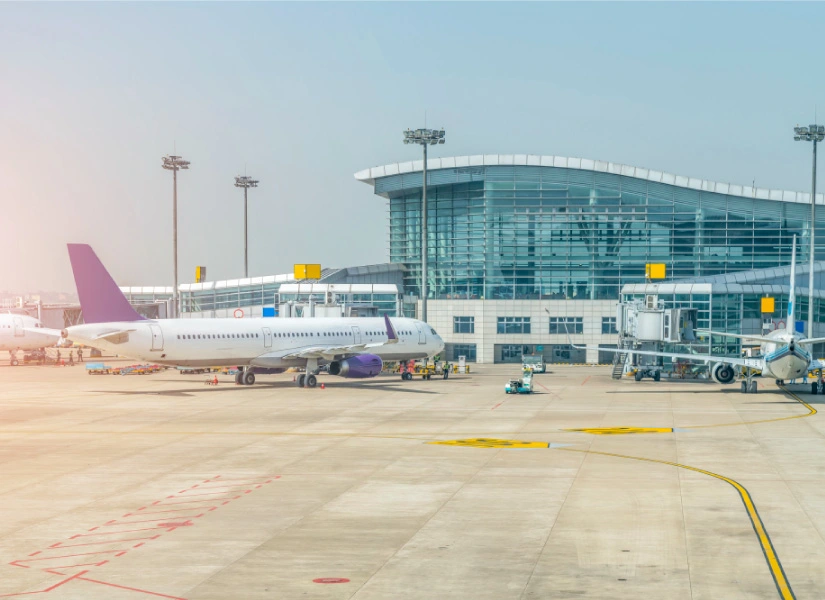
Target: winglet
(392, 337)
(101, 301)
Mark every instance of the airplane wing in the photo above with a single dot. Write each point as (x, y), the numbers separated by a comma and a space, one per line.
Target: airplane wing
(333, 351)
(816, 364)
(330, 352)
(809, 341)
(753, 363)
(756, 338)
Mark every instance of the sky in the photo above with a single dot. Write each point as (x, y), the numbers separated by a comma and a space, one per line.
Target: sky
(303, 95)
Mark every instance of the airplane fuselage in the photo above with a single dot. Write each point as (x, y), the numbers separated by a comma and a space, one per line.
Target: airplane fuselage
(785, 359)
(17, 333)
(257, 342)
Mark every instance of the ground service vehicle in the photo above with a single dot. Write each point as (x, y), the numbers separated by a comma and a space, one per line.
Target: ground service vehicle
(534, 362)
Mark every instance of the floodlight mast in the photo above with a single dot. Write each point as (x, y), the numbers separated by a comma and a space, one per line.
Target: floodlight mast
(175, 163)
(242, 181)
(424, 137)
(815, 134)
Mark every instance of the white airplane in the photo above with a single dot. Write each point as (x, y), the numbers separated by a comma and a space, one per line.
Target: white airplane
(22, 332)
(783, 355)
(348, 347)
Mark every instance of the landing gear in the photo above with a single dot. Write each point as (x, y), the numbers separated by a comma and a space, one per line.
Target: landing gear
(780, 382)
(638, 375)
(238, 378)
(749, 385)
(818, 386)
(406, 376)
(310, 379)
(657, 376)
(248, 377)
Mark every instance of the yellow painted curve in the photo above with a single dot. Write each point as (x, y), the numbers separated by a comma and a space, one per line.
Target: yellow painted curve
(783, 586)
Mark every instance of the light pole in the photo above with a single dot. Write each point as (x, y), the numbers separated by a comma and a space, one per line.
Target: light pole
(175, 163)
(812, 133)
(242, 181)
(425, 137)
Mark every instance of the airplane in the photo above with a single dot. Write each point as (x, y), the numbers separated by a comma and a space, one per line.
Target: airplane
(783, 354)
(22, 332)
(353, 347)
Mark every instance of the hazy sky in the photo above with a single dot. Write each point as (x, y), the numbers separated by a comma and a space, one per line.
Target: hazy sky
(304, 95)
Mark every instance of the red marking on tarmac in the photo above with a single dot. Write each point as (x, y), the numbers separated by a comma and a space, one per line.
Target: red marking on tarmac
(497, 405)
(585, 380)
(331, 580)
(50, 560)
(542, 386)
(50, 588)
(131, 589)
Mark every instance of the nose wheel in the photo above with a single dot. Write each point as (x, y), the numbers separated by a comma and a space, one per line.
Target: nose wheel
(749, 385)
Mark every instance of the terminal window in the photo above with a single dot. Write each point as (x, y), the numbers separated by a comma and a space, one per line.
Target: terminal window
(513, 325)
(466, 350)
(464, 324)
(566, 324)
(609, 325)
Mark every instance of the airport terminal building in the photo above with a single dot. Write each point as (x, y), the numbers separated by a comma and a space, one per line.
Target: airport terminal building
(523, 248)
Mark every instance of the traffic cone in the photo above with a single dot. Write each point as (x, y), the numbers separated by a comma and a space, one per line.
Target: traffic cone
(293, 378)
(215, 381)
(323, 387)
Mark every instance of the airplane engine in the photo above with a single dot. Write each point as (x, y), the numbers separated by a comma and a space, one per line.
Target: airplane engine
(722, 373)
(362, 366)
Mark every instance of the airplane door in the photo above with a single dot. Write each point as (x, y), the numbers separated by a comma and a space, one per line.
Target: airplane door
(422, 335)
(18, 327)
(356, 334)
(157, 337)
(267, 338)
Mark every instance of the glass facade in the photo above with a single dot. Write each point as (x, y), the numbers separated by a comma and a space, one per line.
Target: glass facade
(542, 232)
(258, 294)
(468, 351)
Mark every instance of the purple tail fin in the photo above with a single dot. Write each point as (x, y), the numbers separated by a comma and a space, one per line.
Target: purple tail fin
(100, 299)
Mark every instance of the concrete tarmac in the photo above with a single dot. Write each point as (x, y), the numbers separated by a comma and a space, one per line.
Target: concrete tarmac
(159, 486)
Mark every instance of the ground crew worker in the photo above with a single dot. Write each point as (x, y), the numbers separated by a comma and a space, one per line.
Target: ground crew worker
(80, 355)
(71, 359)
(57, 360)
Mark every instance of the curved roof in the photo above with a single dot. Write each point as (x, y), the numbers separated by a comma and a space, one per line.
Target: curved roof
(585, 164)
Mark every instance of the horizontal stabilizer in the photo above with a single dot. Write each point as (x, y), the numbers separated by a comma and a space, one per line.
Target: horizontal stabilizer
(42, 331)
(114, 337)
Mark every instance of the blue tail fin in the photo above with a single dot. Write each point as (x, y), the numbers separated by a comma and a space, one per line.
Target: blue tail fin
(100, 299)
(790, 324)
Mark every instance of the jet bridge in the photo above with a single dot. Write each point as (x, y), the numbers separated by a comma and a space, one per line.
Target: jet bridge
(647, 325)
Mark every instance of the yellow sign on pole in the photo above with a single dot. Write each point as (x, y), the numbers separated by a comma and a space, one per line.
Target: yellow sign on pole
(307, 271)
(200, 274)
(767, 305)
(655, 270)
